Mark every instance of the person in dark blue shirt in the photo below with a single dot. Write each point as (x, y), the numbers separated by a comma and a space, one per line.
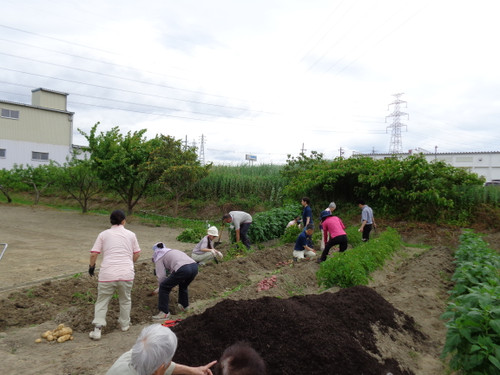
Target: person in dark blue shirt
(304, 246)
(307, 217)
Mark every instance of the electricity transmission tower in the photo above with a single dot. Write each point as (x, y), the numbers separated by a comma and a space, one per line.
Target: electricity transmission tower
(396, 146)
(202, 150)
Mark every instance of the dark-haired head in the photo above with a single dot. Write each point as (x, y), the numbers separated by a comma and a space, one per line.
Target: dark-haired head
(361, 202)
(117, 217)
(241, 359)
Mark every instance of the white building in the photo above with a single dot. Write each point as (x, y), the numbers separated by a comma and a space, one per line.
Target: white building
(33, 134)
(486, 164)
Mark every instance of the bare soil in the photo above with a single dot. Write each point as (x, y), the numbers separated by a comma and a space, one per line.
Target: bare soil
(389, 326)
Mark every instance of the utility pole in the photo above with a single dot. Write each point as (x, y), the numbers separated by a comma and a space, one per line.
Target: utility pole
(341, 152)
(303, 149)
(396, 146)
(202, 150)
(185, 144)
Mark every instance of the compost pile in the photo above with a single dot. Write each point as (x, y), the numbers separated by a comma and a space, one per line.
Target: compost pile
(329, 333)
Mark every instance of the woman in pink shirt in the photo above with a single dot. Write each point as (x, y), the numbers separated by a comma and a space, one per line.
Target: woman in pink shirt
(120, 249)
(335, 228)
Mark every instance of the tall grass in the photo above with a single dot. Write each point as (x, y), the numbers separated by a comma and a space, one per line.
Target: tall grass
(262, 182)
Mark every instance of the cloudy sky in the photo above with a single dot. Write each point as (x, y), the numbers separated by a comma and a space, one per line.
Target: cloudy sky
(265, 77)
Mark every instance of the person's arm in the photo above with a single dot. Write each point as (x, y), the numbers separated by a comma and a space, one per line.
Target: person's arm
(237, 231)
(363, 223)
(93, 259)
(188, 370)
(161, 274)
(136, 256)
(309, 248)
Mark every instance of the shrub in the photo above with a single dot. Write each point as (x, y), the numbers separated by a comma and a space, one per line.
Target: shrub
(271, 224)
(193, 235)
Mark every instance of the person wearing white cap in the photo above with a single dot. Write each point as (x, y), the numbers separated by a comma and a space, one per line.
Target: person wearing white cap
(152, 354)
(204, 251)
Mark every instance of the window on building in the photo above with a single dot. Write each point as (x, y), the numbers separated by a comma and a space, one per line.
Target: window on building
(9, 113)
(2, 152)
(35, 155)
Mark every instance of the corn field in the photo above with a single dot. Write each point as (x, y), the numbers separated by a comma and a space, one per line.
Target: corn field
(228, 182)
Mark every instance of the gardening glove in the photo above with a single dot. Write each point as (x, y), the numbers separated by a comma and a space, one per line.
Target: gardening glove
(219, 254)
(91, 270)
(213, 252)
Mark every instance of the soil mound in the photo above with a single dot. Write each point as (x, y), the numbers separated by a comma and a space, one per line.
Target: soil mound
(330, 333)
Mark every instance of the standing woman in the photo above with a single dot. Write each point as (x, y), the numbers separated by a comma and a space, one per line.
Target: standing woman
(182, 270)
(204, 251)
(120, 250)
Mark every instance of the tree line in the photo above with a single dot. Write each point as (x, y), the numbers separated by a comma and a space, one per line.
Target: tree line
(134, 168)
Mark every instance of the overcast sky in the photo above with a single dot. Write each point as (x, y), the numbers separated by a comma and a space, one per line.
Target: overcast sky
(264, 77)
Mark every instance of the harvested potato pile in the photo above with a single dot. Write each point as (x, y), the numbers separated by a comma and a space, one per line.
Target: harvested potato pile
(60, 334)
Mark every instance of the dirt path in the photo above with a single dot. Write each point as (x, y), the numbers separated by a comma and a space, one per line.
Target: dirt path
(46, 243)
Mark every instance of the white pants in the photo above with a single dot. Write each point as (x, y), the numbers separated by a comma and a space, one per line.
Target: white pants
(207, 256)
(105, 291)
(301, 254)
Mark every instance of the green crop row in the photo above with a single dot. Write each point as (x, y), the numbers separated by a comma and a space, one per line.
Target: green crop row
(353, 267)
(473, 312)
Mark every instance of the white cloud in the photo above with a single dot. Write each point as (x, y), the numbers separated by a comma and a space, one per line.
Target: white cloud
(264, 77)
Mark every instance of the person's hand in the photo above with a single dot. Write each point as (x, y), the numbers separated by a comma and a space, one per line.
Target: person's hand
(219, 254)
(91, 270)
(205, 370)
(360, 229)
(213, 252)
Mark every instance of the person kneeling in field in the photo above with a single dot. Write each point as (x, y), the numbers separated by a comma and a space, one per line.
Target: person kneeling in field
(204, 251)
(303, 246)
(152, 354)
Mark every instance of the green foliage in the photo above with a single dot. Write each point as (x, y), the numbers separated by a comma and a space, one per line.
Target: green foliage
(120, 162)
(473, 313)
(239, 184)
(354, 266)
(176, 168)
(291, 234)
(271, 224)
(354, 237)
(79, 180)
(408, 188)
(39, 178)
(236, 250)
(193, 235)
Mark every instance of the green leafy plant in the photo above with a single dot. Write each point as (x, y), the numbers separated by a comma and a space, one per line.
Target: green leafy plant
(473, 312)
(193, 235)
(353, 267)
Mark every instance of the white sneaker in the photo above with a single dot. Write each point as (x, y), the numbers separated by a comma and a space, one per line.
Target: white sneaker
(95, 334)
(126, 328)
(161, 316)
(182, 308)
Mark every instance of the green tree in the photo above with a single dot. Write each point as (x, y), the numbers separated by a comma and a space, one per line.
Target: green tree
(6, 180)
(80, 181)
(176, 168)
(120, 162)
(39, 178)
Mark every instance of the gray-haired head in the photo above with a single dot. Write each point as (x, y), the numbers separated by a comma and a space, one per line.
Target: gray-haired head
(155, 346)
(332, 206)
